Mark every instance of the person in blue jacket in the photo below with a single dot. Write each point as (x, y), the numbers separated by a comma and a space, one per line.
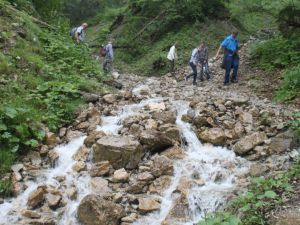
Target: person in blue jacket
(231, 57)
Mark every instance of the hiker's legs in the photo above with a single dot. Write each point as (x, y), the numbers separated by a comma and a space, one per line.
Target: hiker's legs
(207, 71)
(172, 66)
(235, 73)
(201, 70)
(194, 73)
(228, 64)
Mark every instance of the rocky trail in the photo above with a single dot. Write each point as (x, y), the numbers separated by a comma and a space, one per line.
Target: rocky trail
(158, 151)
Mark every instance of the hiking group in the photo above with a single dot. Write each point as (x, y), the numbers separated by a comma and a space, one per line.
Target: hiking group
(78, 35)
(200, 58)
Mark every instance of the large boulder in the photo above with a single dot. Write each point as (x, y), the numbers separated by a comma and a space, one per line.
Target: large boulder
(214, 136)
(36, 198)
(155, 141)
(120, 151)
(165, 117)
(147, 205)
(160, 185)
(282, 142)
(249, 142)
(162, 165)
(96, 210)
(100, 169)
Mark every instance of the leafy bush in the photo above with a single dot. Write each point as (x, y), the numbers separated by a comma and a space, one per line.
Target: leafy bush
(295, 124)
(277, 52)
(291, 85)
(221, 218)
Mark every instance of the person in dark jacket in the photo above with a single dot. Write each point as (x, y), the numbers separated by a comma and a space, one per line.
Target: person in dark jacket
(203, 61)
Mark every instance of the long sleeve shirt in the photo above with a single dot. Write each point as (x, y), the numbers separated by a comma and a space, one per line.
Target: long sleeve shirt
(203, 54)
(109, 51)
(172, 55)
(195, 56)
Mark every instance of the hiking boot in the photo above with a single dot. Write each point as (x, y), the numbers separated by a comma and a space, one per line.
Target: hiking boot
(234, 81)
(195, 83)
(226, 83)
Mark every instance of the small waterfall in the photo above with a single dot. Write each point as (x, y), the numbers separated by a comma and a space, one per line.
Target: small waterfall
(217, 167)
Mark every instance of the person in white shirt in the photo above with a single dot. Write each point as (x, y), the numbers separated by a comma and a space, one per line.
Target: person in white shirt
(80, 33)
(109, 57)
(172, 56)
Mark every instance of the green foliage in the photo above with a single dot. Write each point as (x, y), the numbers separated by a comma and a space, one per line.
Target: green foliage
(295, 124)
(277, 52)
(42, 74)
(290, 88)
(5, 188)
(221, 218)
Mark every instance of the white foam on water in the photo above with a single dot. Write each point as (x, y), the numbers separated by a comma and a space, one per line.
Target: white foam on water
(10, 211)
(217, 166)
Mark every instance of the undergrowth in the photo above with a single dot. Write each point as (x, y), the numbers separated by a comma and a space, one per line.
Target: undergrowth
(42, 74)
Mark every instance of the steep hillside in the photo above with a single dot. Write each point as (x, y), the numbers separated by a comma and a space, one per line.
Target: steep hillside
(41, 74)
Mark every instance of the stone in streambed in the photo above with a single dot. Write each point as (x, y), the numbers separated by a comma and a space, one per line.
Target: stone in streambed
(147, 205)
(249, 142)
(100, 169)
(120, 151)
(214, 136)
(96, 210)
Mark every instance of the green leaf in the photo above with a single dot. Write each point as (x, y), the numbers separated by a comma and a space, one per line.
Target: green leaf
(32, 143)
(3, 127)
(10, 112)
(270, 194)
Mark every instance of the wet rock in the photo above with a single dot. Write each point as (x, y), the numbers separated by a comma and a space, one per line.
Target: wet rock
(72, 193)
(17, 167)
(147, 205)
(121, 152)
(174, 153)
(249, 142)
(282, 142)
(179, 211)
(173, 133)
(151, 125)
(99, 186)
(120, 175)
(34, 158)
(130, 219)
(155, 141)
(30, 214)
(50, 139)
(62, 132)
(36, 197)
(184, 186)
(165, 117)
(110, 98)
(100, 169)
(1, 201)
(200, 121)
(93, 137)
(42, 221)
(214, 136)
(81, 154)
(44, 150)
(73, 134)
(79, 166)
(153, 106)
(53, 200)
(96, 210)
(145, 177)
(162, 166)
(160, 185)
(53, 157)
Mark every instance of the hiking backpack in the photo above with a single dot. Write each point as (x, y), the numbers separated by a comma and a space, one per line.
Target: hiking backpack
(73, 31)
(103, 52)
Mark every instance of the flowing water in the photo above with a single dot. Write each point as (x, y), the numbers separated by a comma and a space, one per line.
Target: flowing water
(218, 167)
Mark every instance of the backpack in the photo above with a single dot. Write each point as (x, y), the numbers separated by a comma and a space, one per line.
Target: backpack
(73, 31)
(103, 52)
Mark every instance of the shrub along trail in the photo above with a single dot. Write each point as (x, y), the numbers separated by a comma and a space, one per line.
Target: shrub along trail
(134, 156)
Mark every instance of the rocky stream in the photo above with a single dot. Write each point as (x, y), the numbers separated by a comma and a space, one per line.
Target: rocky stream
(160, 151)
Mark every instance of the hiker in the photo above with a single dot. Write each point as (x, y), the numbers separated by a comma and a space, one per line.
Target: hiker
(172, 56)
(79, 33)
(109, 57)
(203, 61)
(231, 57)
(194, 61)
